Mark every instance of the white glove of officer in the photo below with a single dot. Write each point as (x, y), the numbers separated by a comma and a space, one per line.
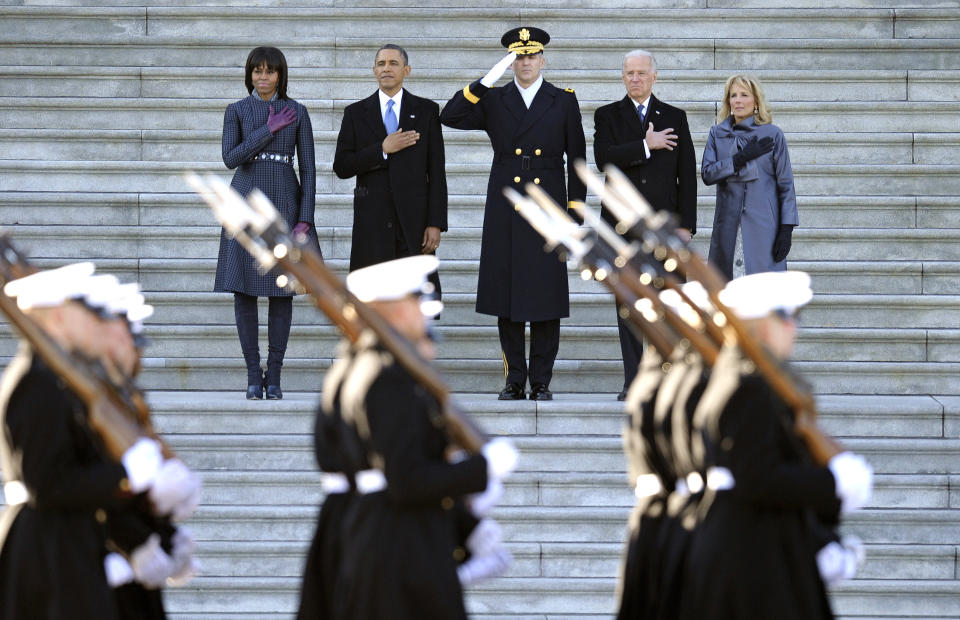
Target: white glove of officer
(501, 458)
(839, 561)
(483, 502)
(485, 538)
(142, 461)
(117, 569)
(185, 564)
(151, 564)
(854, 480)
(498, 70)
(176, 490)
(478, 568)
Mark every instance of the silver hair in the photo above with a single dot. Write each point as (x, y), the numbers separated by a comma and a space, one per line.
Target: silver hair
(641, 54)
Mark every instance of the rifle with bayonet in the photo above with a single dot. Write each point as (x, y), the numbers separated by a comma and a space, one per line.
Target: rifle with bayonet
(255, 224)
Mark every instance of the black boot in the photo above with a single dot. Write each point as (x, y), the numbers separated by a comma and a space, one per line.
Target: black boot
(245, 312)
(278, 332)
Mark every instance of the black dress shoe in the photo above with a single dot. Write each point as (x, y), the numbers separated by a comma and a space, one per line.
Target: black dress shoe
(622, 395)
(274, 392)
(513, 391)
(540, 392)
(255, 391)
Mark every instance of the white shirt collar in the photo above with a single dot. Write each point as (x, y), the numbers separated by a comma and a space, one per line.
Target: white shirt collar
(530, 92)
(645, 103)
(396, 102)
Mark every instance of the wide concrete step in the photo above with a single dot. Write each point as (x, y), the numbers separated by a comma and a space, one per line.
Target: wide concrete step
(460, 146)
(554, 453)
(489, 23)
(155, 176)
(809, 244)
(460, 276)
(178, 208)
(571, 413)
(347, 84)
(326, 114)
(228, 49)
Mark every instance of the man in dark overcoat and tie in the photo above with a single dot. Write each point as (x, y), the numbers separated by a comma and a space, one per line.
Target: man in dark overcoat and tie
(532, 124)
(392, 142)
(649, 141)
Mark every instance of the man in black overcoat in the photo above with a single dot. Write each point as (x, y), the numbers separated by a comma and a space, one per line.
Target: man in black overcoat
(532, 125)
(650, 142)
(400, 199)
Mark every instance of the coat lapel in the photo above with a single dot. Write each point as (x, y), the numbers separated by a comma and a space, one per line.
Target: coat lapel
(540, 104)
(372, 116)
(629, 113)
(653, 116)
(513, 101)
(409, 111)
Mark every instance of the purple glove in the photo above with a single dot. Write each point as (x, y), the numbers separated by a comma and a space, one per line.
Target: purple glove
(276, 122)
(301, 228)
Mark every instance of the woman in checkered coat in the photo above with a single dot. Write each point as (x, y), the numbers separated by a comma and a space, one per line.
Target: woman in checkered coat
(260, 135)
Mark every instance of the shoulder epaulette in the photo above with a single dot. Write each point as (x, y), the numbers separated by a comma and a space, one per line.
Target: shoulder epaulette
(569, 90)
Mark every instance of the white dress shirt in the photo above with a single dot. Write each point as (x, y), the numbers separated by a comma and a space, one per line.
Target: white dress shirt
(530, 92)
(396, 106)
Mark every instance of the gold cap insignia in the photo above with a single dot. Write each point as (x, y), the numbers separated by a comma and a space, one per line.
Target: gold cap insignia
(524, 34)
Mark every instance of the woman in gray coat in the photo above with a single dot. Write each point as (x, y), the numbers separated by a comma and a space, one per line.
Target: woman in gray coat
(261, 134)
(746, 158)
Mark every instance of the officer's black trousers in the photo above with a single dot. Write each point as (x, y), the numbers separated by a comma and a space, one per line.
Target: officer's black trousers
(544, 344)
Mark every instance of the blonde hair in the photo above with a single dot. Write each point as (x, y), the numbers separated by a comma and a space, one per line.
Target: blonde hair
(763, 115)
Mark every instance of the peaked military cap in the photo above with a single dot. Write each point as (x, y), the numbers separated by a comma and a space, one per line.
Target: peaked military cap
(525, 40)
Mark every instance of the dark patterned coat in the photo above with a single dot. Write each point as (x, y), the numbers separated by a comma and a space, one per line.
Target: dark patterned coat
(52, 547)
(518, 280)
(245, 135)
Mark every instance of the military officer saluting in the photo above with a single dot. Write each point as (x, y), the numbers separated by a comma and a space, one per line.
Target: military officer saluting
(532, 125)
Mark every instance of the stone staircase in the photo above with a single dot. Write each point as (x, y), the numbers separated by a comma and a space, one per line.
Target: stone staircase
(104, 107)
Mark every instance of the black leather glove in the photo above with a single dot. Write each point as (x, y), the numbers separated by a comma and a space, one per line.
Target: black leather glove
(781, 245)
(754, 149)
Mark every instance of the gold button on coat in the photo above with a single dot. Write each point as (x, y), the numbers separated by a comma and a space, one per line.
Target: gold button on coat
(537, 180)
(537, 152)
(519, 151)
(516, 179)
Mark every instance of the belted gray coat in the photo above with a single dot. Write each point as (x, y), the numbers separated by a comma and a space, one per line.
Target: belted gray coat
(758, 198)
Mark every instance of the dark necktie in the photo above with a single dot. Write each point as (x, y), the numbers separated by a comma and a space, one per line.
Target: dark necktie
(640, 112)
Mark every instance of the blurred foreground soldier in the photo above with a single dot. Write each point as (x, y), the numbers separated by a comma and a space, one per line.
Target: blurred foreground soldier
(755, 555)
(532, 124)
(399, 550)
(61, 488)
(655, 444)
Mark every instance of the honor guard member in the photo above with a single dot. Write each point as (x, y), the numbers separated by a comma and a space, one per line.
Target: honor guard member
(532, 125)
(756, 553)
(399, 549)
(59, 485)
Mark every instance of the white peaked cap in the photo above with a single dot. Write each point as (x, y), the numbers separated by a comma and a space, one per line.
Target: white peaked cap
(100, 290)
(759, 294)
(47, 289)
(393, 279)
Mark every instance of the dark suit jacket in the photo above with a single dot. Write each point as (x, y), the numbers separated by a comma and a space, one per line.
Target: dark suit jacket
(667, 179)
(408, 189)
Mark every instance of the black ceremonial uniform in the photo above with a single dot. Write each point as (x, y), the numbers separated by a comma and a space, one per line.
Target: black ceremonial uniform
(518, 281)
(754, 554)
(337, 450)
(52, 547)
(399, 549)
